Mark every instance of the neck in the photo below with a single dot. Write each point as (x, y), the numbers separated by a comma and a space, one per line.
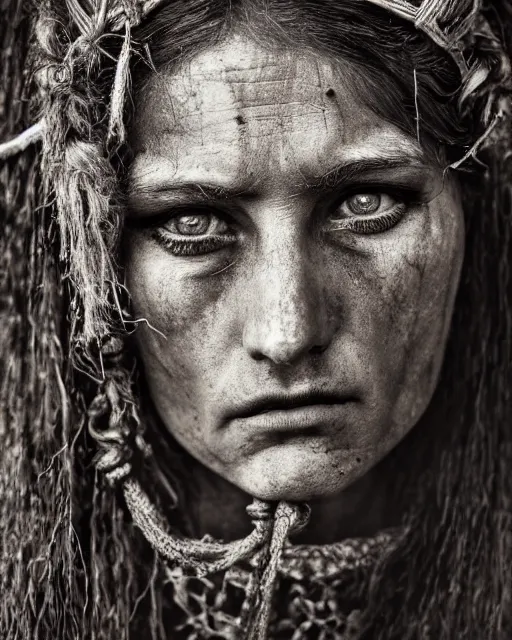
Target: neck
(218, 508)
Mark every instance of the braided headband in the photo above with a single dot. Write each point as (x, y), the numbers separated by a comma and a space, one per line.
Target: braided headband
(456, 16)
(451, 24)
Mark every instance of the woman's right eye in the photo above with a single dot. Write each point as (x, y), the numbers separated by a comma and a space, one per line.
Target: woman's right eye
(194, 232)
(195, 224)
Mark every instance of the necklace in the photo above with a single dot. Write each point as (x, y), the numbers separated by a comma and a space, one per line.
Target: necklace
(319, 593)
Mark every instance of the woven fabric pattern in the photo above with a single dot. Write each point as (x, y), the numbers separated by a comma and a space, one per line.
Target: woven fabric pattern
(320, 593)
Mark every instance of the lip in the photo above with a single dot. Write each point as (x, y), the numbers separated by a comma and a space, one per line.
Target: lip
(292, 412)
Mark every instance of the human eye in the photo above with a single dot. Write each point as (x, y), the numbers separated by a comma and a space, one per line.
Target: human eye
(369, 211)
(193, 231)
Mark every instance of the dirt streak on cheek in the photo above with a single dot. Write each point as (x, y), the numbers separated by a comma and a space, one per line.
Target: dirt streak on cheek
(428, 284)
(194, 316)
(402, 300)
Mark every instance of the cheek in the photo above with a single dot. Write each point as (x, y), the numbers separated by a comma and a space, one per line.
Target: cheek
(436, 264)
(410, 290)
(185, 331)
(159, 292)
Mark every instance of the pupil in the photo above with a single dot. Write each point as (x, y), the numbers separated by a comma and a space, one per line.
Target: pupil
(192, 225)
(364, 203)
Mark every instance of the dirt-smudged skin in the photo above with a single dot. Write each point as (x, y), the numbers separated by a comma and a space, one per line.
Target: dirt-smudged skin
(292, 300)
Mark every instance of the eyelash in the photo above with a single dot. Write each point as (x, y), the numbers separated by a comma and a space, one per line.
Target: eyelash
(378, 224)
(405, 197)
(190, 247)
(369, 225)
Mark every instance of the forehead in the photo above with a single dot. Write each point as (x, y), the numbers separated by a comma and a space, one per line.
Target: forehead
(240, 110)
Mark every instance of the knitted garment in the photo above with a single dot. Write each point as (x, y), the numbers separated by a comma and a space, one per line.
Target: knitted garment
(320, 593)
(258, 587)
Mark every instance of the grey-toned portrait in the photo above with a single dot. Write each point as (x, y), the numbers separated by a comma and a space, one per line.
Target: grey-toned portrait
(256, 296)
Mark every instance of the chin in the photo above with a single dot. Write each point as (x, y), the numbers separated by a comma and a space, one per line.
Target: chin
(287, 473)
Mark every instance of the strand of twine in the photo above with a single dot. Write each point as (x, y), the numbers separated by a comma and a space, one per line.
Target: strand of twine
(198, 556)
(287, 518)
(17, 145)
(116, 128)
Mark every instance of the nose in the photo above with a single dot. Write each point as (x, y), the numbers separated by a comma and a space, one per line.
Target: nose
(286, 314)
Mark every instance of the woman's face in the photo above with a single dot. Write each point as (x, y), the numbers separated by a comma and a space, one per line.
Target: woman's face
(296, 258)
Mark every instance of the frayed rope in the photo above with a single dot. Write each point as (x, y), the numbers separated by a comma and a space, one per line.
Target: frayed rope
(116, 128)
(17, 145)
(202, 557)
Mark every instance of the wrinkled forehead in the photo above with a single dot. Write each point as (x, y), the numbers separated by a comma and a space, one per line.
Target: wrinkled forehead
(241, 108)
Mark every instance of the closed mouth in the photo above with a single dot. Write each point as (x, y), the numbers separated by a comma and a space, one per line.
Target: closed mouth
(289, 402)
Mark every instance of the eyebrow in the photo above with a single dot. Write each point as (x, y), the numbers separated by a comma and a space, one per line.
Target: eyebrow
(350, 171)
(190, 189)
(342, 173)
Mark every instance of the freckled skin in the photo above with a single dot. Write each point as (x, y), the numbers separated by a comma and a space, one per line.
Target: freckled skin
(290, 307)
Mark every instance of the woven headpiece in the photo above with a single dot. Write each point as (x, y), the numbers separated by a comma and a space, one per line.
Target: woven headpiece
(447, 22)
(452, 24)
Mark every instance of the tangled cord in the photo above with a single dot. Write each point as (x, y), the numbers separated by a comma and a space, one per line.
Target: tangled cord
(272, 526)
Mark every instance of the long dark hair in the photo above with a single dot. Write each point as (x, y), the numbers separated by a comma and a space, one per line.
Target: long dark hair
(71, 562)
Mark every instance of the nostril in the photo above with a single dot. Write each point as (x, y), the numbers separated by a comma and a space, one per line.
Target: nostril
(284, 353)
(318, 349)
(258, 355)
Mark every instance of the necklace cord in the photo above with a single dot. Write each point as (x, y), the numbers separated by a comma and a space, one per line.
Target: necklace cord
(287, 519)
(272, 526)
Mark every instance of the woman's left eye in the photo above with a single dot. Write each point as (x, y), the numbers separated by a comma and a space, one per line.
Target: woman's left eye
(365, 213)
(194, 232)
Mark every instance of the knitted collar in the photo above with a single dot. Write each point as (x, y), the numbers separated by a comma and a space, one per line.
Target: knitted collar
(319, 592)
(266, 552)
